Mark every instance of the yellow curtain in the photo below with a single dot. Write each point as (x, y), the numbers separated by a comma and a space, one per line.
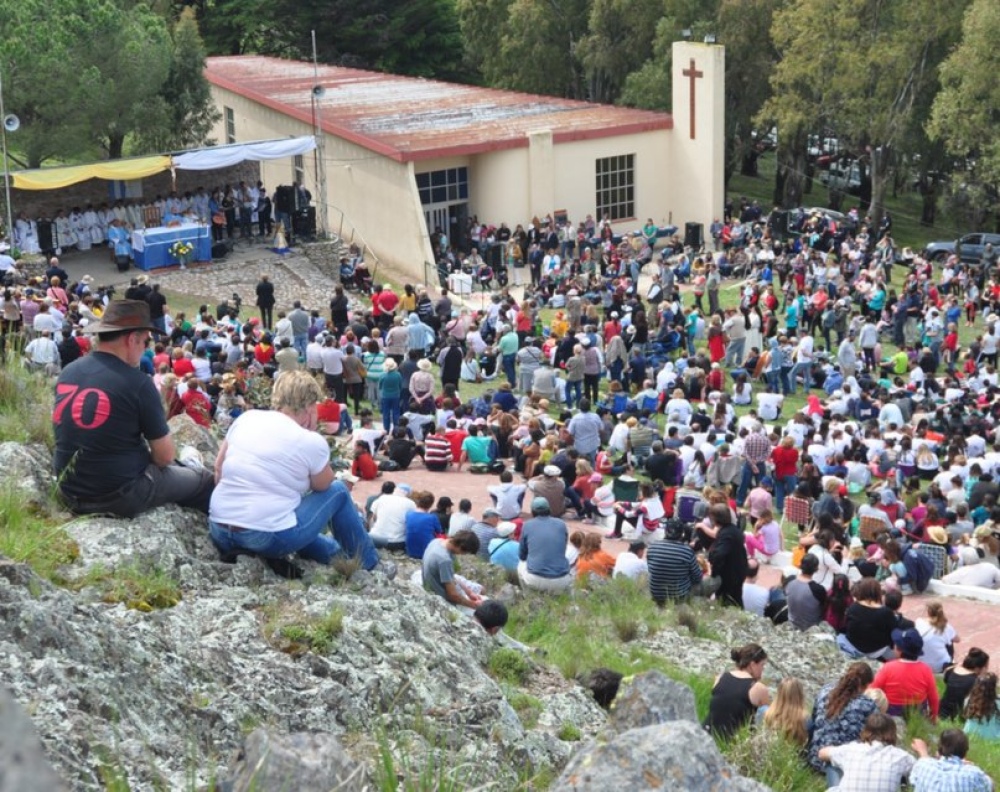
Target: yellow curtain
(112, 170)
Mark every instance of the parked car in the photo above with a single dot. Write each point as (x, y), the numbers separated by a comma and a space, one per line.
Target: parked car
(970, 247)
(843, 175)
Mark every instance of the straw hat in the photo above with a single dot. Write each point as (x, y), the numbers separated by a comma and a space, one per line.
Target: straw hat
(424, 364)
(389, 365)
(937, 535)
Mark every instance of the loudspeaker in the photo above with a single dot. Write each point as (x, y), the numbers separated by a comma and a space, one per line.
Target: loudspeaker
(45, 241)
(694, 235)
(220, 250)
(494, 256)
(284, 200)
(304, 222)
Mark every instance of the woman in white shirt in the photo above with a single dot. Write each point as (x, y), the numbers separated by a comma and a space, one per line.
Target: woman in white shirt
(938, 637)
(742, 391)
(275, 492)
(828, 565)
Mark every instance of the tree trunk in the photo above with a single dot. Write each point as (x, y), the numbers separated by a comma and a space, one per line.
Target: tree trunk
(881, 157)
(116, 143)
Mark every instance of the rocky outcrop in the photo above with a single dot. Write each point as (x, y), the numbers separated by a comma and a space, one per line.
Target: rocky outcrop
(167, 696)
(23, 765)
(652, 698)
(29, 469)
(671, 756)
(296, 761)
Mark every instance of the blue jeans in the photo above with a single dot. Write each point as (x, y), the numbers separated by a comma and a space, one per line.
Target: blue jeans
(748, 478)
(615, 370)
(389, 405)
(300, 342)
(574, 392)
(784, 486)
(314, 515)
(734, 352)
(574, 498)
(806, 380)
(509, 369)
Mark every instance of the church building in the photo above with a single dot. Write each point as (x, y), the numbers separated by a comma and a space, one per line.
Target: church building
(400, 156)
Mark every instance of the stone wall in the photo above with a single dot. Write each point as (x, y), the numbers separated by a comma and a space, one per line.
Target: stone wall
(45, 203)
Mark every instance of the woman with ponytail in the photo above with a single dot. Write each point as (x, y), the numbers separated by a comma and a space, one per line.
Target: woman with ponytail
(839, 714)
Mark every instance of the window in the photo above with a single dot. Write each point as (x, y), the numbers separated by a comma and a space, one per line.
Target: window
(444, 186)
(230, 126)
(615, 181)
(299, 169)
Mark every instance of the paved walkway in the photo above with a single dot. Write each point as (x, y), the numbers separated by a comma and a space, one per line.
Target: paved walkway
(976, 622)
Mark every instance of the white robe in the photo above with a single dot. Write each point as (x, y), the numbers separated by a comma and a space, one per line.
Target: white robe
(754, 336)
(81, 230)
(104, 218)
(26, 236)
(93, 226)
(65, 235)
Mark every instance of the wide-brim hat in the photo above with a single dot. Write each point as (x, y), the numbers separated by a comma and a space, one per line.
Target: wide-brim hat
(142, 280)
(123, 315)
(87, 280)
(424, 364)
(389, 365)
(937, 535)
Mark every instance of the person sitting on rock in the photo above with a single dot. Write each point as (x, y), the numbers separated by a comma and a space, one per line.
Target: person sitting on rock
(438, 566)
(114, 453)
(542, 550)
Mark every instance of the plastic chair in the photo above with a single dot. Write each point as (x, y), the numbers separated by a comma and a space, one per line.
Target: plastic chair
(625, 489)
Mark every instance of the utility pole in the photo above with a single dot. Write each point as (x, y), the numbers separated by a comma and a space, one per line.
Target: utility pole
(318, 92)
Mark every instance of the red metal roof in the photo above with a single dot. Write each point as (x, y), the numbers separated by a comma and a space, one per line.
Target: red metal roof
(408, 118)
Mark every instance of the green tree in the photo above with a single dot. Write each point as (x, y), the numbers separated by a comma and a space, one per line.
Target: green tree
(619, 42)
(482, 23)
(185, 107)
(965, 111)
(855, 67)
(123, 53)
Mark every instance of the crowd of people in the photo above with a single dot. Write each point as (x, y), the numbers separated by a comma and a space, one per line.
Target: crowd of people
(850, 733)
(596, 387)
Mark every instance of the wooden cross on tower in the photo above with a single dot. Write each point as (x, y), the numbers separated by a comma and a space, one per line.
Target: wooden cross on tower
(693, 74)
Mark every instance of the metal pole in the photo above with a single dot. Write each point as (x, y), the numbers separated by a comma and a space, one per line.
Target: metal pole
(320, 147)
(6, 167)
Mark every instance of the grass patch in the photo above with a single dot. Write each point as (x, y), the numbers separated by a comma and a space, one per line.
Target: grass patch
(509, 665)
(29, 536)
(26, 401)
(140, 587)
(290, 631)
(405, 770)
(569, 733)
(527, 707)
(764, 756)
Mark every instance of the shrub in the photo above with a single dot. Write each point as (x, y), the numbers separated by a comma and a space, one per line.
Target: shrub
(304, 634)
(509, 665)
(569, 733)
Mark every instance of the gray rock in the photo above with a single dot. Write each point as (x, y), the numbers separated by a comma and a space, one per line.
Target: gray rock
(29, 468)
(23, 766)
(296, 761)
(186, 432)
(671, 756)
(652, 698)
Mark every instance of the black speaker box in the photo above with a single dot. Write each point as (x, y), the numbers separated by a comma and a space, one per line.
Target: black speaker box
(694, 235)
(284, 200)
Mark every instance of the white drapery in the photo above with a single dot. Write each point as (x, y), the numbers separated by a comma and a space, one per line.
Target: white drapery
(225, 156)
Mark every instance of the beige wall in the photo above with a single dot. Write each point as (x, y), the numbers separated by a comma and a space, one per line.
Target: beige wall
(498, 187)
(696, 166)
(576, 168)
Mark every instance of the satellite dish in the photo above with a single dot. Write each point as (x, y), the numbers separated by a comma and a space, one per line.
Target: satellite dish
(11, 123)
(318, 91)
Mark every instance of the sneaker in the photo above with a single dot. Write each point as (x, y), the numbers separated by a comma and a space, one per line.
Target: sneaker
(387, 568)
(612, 535)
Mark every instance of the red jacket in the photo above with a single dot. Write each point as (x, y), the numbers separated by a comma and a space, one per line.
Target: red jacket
(364, 467)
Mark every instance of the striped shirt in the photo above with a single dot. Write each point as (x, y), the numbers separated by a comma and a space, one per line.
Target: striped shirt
(437, 450)
(673, 570)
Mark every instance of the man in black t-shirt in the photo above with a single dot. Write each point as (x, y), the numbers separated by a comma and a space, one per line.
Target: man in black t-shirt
(114, 453)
